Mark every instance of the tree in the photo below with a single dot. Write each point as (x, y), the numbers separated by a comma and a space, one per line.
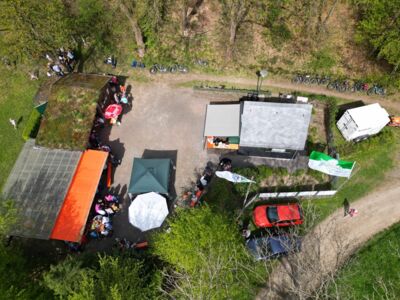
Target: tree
(207, 257)
(235, 13)
(29, 28)
(16, 271)
(189, 10)
(113, 277)
(379, 27)
(92, 24)
(132, 10)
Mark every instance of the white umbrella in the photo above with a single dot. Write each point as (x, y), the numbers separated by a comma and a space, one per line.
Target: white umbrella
(148, 211)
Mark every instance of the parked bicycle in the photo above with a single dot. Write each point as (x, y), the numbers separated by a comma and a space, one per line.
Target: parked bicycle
(172, 69)
(376, 89)
(339, 85)
(302, 78)
(201, 62)
(320, 80)
(157, 68)
(178, 68)
(359, 86)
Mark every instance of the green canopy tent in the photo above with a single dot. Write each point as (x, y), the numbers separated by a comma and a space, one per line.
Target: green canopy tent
(150, 175)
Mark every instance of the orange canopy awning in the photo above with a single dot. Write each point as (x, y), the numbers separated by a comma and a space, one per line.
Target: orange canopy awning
(73, 215)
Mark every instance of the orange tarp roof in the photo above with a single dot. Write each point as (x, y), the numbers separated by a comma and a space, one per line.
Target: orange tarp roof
(73, 215)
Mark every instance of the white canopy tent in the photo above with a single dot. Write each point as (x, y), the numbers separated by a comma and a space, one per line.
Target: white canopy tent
(148, 211)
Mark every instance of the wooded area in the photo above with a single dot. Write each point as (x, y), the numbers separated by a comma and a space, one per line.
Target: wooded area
(359, 37)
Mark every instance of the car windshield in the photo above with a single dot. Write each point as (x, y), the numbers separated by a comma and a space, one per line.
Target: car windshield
(272, 214)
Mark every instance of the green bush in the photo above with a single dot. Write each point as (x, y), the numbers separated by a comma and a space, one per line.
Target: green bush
(32, 125)
(112, 277)
(264, 172)
(222, 197)
(207, 257)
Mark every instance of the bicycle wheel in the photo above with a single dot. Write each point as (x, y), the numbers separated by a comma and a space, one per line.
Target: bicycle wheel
(331, 86)
(183, 69)
(153, 70)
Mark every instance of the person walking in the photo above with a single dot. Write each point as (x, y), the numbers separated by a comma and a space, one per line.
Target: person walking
(346, 206)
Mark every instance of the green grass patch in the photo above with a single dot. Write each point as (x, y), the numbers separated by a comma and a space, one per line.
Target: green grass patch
(16, 102)
(374, 271)
(321, 61)
(374, 157)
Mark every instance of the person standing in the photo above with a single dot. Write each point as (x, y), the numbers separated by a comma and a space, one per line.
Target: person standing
(56, 68)
(13, 123)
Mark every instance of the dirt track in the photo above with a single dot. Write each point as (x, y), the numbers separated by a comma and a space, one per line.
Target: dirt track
(338, 237)
(288, 86)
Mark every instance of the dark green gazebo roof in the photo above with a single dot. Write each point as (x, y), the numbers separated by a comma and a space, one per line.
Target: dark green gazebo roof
(150, 175)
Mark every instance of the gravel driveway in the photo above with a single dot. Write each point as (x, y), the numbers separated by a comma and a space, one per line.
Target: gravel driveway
(164, 122)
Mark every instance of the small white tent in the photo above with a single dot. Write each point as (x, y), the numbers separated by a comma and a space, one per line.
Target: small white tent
(359, 123)
(148, 211)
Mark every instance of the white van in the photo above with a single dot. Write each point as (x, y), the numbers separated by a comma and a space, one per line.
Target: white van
(359, 123)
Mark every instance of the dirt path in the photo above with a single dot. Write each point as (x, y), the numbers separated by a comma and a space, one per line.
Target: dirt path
(333, 241)
(389, 103)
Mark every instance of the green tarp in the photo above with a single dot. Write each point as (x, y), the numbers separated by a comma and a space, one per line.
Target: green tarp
(150, 175)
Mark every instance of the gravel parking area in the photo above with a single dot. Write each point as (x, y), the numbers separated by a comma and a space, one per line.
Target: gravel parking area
(163, 122)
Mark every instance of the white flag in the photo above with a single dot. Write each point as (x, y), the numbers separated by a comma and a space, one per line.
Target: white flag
(232, 177)
(324, 163)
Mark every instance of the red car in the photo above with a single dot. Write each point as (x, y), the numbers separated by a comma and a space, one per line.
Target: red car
(279, 215)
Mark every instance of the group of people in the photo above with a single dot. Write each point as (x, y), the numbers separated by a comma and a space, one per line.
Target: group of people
(64, 62)
(225, 164)
(116, 98)
(117, 92)
(105, 209)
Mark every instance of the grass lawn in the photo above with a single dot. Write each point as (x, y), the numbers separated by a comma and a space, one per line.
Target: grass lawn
(374, 157)
(16, 102)
(376, 263)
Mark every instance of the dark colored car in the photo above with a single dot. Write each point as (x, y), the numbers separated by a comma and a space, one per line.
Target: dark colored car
(265, 248)
(279, 215)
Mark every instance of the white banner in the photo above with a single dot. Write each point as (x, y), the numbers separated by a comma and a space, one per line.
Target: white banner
(232, 177)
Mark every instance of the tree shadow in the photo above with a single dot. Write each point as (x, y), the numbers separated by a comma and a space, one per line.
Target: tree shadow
(343, 107)
(19, 120)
